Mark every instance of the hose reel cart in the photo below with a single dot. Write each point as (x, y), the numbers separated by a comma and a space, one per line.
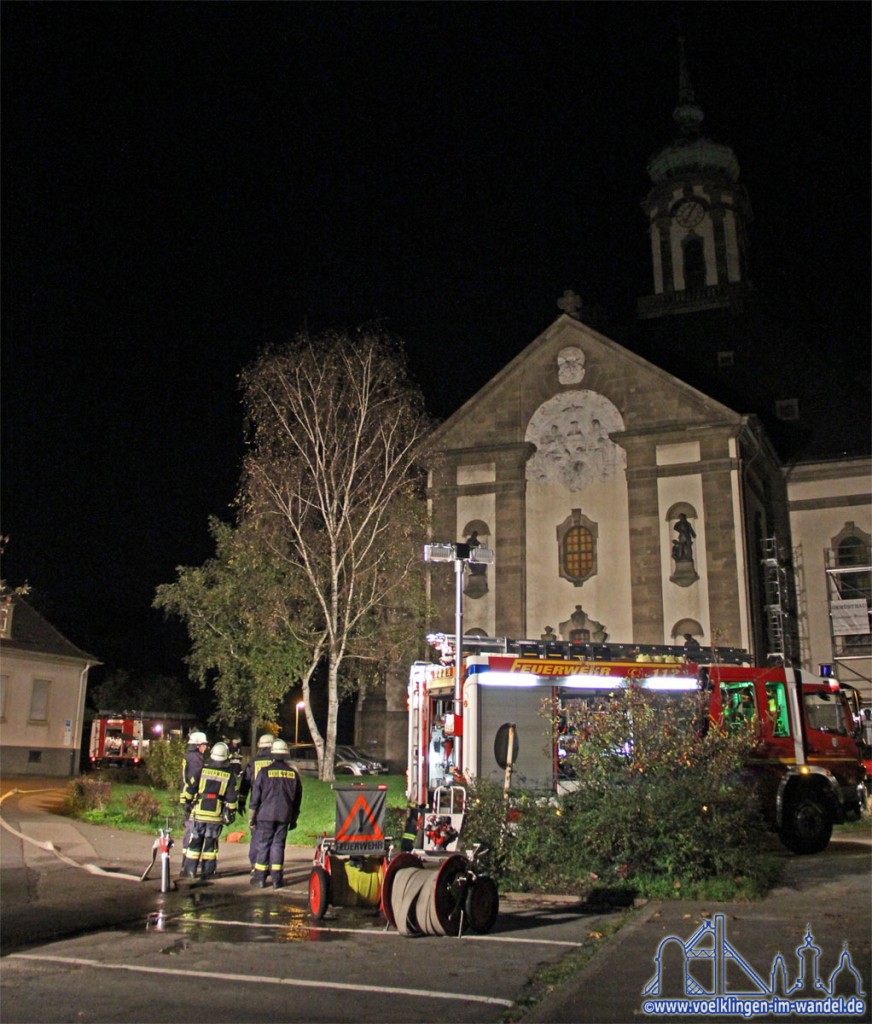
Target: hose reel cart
(438, 890)
(348, 867)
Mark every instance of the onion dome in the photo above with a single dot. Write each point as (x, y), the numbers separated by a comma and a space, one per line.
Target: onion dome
(691, 152)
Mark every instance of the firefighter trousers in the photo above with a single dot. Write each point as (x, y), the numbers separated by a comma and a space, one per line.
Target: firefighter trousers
(202, 849)
(269, 845)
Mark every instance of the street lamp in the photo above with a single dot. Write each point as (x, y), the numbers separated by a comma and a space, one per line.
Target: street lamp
(300, 705)
(460, 554)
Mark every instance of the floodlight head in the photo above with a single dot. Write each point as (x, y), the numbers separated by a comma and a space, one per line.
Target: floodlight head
(439, 553)
(459, 552)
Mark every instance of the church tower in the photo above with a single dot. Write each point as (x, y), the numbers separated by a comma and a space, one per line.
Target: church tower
(697, 214)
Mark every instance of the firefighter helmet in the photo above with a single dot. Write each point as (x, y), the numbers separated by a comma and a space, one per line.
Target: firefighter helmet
(266, 740)
(279, 748)
(220, 752)
(197, 738)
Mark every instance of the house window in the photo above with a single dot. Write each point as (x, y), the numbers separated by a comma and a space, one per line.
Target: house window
(34, 756)
(576, 540)
(852, 549)
(726, 359)
(39, 700)
(787, 409)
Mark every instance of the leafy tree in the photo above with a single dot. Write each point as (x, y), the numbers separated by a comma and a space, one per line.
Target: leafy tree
(122, 691)
(238, 608)
(333, 480)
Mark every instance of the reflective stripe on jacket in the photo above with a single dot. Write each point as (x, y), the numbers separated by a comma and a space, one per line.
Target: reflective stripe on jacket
(277, 793)
(216, 791)
(261, 759)
(192, 766)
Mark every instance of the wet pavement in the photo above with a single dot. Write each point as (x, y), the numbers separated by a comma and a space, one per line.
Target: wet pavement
(73, 905)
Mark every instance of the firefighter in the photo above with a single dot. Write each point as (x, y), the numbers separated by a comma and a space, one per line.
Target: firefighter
(262, 757)
(235, 760)
(192, 766)
(412, 829)
(275, 806)
(214, 806)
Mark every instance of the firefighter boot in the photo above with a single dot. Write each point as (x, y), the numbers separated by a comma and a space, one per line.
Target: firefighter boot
(278, 879)
(258, 878)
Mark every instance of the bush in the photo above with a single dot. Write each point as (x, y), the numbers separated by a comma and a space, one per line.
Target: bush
(88, 794)
(527, 841)
(163, 763)
(142, 806)
(657, 808)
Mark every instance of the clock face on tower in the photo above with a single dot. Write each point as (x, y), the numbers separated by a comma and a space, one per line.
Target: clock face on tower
(689, 213)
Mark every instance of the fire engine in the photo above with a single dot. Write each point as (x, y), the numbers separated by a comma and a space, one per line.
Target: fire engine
(806, 764)
(121, 738)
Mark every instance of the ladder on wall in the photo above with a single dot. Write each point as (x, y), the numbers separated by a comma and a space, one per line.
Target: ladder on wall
(775, 590)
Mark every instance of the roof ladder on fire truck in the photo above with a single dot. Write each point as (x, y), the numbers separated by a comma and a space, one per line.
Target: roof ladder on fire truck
(775, 589)
(572, 650)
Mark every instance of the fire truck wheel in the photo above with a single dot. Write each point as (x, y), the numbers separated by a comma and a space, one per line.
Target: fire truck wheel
(807, 826)
(319, 892)
(482, 904)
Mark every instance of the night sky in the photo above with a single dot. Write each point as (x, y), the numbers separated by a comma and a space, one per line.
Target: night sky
(183, 183)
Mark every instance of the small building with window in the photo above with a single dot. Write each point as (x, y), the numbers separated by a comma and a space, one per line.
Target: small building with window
(831, 531)
(43, 682)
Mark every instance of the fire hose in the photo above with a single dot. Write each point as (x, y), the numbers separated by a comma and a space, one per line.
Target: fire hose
(434, 897)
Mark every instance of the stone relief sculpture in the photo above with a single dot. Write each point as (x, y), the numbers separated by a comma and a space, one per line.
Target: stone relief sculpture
(581, 628)
(571, 435)
(570, 365)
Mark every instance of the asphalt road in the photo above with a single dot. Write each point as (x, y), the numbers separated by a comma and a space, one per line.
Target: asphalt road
(84, 940)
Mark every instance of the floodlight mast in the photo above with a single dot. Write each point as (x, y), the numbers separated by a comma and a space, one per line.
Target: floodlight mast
(460, 554)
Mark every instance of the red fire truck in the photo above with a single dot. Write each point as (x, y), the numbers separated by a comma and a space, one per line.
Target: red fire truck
(806, 761)
(120, 739)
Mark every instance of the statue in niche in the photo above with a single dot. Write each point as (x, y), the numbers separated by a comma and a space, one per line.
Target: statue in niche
(581, 628)
(683, 544)
(682, 552)
(476, 577)
(549, 634)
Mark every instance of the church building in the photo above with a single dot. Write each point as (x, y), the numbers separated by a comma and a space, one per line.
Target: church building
(651, 488)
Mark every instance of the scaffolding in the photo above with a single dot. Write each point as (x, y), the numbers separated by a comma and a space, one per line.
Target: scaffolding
(849, 583)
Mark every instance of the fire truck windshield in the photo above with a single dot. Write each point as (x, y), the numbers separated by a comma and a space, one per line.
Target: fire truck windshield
(826, 712)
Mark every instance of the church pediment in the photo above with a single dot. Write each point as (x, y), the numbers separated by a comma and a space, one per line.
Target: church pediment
(585, 378)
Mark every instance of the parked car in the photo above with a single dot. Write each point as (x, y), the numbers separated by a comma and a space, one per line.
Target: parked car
(304, 757)
(351, 761)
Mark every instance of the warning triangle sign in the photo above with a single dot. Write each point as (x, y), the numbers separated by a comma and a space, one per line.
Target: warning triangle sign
(360, 821)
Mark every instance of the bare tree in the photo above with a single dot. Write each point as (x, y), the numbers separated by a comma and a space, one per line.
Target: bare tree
(333, 475)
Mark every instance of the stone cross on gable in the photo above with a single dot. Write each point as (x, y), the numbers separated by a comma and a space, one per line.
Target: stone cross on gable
(570, 303)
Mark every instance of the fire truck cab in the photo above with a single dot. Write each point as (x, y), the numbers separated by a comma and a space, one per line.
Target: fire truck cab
(806, 764)
(120, 739)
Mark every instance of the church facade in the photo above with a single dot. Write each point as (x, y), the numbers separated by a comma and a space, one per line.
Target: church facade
(621, 503)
